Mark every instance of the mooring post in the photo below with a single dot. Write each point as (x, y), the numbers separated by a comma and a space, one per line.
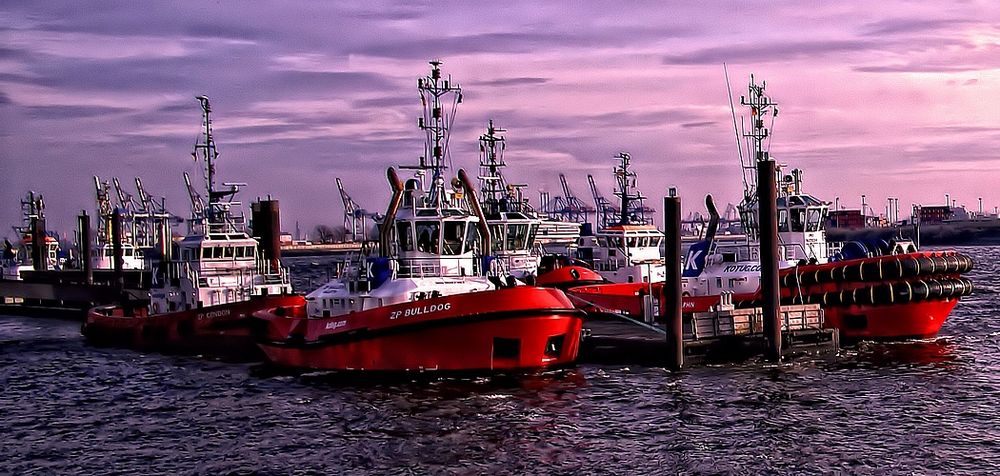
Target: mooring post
(267, 229)
(767, 198)
(672, 309)
(39, 250)
(83, 223)
(118, 261)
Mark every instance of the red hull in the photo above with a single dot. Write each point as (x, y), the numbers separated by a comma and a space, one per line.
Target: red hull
(887, 320)
(569, 276)
(225, 329)
(507, 329)
(915, 320)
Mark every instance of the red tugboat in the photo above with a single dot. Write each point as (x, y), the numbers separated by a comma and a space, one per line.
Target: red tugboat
(883, 291)
(203, 296)
(431, 297)
(878, 291)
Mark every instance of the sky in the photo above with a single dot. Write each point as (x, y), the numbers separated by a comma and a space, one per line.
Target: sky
(890, 98)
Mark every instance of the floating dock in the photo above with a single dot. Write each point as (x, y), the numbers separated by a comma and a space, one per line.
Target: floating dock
(67, 294)
(723, 335)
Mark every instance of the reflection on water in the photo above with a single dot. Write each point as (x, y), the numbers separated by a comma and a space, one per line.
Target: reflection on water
(926, 407)
(927, 352)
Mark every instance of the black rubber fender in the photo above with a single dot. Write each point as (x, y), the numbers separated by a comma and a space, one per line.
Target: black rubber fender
(910, 266)
(891, 268)
(925, 265)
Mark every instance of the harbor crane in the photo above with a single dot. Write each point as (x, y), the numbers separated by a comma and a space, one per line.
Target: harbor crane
(568, 207)
(607, 214)
(197, 202)
(355, 217)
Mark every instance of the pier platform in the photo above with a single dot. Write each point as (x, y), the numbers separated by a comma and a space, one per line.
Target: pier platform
(723, 335)
(66, 294)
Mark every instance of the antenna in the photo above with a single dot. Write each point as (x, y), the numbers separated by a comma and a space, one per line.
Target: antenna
(632, 204)
(760, 105)
(436, 124)
(736, 130)
(207, 148)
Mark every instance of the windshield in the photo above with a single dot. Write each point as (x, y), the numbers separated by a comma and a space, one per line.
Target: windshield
(428, 235)
(454, 231)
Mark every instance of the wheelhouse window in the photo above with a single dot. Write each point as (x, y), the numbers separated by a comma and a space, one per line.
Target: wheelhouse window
(454, 232)
(782, 220)
(497, 232)
(471, 237)
(517, 236)
(798, 219)
(404, 235)
(814, 218)
(428, 236)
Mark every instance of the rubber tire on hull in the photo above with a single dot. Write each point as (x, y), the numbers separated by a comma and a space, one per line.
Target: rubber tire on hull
(881, 268)
(891, 293)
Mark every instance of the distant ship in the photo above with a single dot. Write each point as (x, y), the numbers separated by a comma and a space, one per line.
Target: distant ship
(928, 225)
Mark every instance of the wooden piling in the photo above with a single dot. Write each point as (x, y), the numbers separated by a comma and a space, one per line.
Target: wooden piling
(39, 249)
(672, 309)
(266, 223)
(767, 197)
(83, 223)
(118, 260)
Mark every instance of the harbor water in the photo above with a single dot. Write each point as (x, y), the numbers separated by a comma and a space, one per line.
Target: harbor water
(926, 407)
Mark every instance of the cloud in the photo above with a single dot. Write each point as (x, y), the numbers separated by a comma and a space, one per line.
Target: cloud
(896, 26)
(963, 57)
(689, 125)
(512, 82)
(328, 88)
(389, 101)
(72, 112)
(767, 52)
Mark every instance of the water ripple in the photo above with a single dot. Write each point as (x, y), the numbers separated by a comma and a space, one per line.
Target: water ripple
(925, 407)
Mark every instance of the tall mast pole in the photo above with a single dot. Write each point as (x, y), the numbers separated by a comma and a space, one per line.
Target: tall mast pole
(492, 145)
(436, 123)
(760, 107)
(208, 152)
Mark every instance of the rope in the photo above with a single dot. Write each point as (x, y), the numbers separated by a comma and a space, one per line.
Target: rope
(620, 316)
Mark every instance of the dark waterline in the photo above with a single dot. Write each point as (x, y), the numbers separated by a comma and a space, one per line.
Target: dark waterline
(917, 407)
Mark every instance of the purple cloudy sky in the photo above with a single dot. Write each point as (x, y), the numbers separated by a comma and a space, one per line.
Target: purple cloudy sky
(884, 98)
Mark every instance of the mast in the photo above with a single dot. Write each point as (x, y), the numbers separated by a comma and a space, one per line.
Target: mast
(222, 214)
(104, 210)
(32, 207)
(761, 106)
(493, 185)
(436, 123)
(208, 152)
(630, 198)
